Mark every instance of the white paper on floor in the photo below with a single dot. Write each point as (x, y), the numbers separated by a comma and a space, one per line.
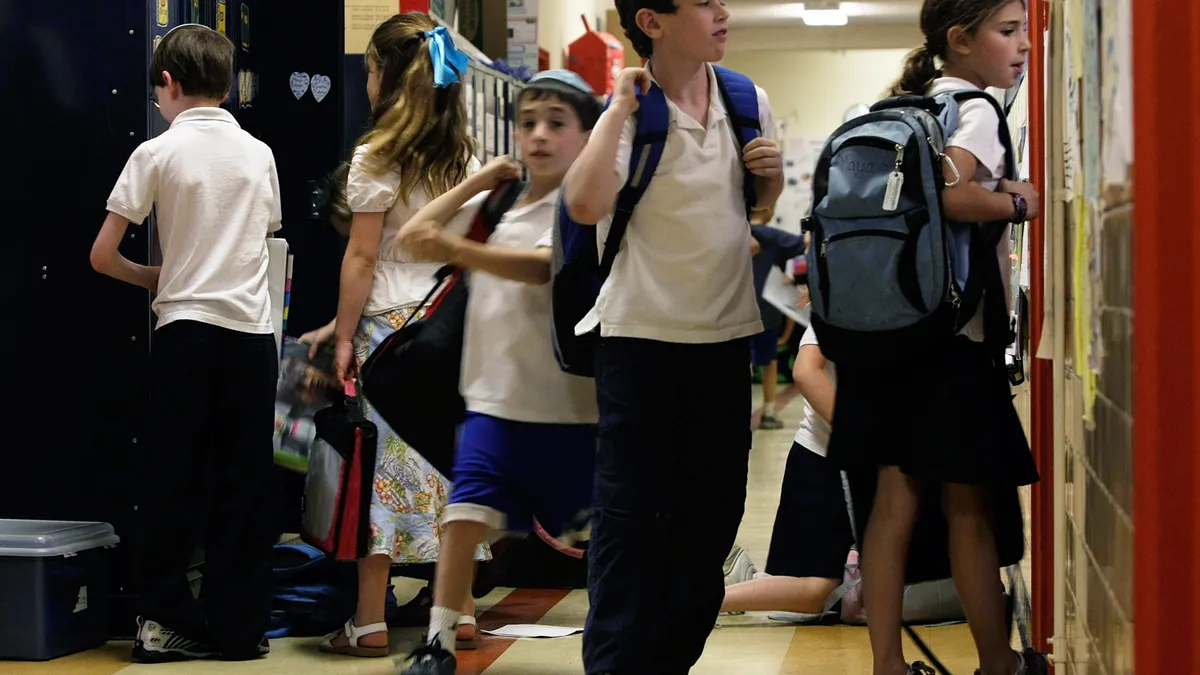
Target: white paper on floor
(525, 630)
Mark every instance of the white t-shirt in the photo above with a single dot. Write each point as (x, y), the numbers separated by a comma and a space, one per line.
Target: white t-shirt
(684, 271)
(814, 430)
(979, 134)
(509, 369)
(399, 280)
(215, 192)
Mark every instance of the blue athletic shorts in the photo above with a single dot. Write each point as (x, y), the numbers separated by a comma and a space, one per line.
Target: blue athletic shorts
(507, 473)
(764, 347)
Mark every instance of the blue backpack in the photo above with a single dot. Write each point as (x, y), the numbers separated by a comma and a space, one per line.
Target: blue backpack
(889, 275)
(577, 271)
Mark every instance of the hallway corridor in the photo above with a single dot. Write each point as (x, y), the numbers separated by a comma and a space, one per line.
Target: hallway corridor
(743, 645)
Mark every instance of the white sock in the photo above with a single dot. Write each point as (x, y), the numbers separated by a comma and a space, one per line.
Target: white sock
(443, 627)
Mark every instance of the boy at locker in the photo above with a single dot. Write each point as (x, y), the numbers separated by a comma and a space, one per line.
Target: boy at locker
(672, 462)
(215, 191)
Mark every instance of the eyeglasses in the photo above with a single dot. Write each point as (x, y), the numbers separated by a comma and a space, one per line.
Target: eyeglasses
(154, 101)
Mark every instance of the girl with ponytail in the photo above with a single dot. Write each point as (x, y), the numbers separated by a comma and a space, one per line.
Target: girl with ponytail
(947, 425)
(416, 149)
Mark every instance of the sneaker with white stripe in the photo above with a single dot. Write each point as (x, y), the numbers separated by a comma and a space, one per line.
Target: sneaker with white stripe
(156, 643)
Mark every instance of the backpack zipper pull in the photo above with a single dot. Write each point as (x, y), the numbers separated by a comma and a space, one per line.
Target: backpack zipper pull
(824, 244)
(891, 197)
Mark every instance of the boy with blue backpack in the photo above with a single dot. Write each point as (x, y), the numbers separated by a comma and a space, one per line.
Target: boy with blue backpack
(673, 169)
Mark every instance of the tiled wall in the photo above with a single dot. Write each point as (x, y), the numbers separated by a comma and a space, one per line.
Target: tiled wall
(1099, 495)
(1099, 453)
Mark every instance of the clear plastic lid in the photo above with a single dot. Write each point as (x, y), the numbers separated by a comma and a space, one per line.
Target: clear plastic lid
(49, 538)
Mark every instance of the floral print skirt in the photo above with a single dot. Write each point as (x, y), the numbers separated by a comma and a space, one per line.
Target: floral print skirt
(409, 494)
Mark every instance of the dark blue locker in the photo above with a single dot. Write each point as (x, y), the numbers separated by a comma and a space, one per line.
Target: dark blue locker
(76, 343)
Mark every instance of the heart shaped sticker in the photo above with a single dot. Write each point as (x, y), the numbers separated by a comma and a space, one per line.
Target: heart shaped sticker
(321, 84)
(299, 83)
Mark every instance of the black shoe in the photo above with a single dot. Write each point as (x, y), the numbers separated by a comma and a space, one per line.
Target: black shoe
(1033, 662)
(1036, 663)
(920, 668)
(431, 660)
(259, 651)
(155, 643)
(415, 613)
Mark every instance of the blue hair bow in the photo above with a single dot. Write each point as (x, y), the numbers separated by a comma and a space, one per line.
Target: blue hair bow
(448, 62)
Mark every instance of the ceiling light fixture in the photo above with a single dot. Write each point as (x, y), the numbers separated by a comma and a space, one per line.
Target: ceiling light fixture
(824, 14)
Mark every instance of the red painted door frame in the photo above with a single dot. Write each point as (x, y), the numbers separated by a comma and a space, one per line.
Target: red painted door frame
(1166, 336)
(1041, 378)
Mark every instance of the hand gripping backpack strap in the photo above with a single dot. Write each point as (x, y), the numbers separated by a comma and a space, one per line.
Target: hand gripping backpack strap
(740, 97)
(649, 141)
(497, 203)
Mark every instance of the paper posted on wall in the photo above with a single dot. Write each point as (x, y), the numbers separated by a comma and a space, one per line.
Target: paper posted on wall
(787, 297)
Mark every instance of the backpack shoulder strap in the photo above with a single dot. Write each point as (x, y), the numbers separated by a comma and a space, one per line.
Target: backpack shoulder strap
(950, 125)
(740, 97)
(497, 203)
(998, 332)
(648, 143)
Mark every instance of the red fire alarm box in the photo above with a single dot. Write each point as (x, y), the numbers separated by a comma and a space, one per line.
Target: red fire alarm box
(597, 57)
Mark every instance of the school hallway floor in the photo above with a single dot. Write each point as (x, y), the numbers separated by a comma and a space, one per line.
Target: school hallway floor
(745, 645)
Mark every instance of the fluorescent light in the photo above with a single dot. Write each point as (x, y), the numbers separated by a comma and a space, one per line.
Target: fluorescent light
(825, 17)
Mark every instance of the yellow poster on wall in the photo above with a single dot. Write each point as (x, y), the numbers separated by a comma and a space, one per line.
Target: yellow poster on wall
(362, 18)
(1081, 291)
(222, 22)
(164, 13)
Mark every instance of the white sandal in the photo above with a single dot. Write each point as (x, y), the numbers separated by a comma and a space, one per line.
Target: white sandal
(473, 641)
(353, 633)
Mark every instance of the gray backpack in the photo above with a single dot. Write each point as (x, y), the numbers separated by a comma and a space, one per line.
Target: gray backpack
(889, 275)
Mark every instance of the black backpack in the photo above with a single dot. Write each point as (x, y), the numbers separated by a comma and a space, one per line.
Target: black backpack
(412, 378)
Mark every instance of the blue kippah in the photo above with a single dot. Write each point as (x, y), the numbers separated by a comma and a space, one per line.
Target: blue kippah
(565, 77)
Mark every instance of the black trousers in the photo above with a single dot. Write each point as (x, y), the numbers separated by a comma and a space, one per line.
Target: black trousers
(207, 481)
(670, 493)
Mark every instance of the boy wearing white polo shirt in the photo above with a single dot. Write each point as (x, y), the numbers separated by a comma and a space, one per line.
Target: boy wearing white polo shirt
(527, 448)
(674, 443)
(215, 191)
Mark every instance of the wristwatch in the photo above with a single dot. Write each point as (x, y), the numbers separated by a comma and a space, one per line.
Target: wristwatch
(1020, 209)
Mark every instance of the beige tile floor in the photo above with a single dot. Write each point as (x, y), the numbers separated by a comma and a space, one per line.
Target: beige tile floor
(745, 645)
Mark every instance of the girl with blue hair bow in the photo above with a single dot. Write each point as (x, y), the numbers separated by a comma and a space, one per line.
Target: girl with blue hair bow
(417, 148)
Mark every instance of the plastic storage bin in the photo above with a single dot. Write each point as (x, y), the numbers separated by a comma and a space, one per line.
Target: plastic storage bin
(54, 587)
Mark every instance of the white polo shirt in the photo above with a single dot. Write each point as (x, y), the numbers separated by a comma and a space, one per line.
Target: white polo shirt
(684, 274)
(979, 134)
(814, 431)
(399, 280)
(215, 191)
(509, 369)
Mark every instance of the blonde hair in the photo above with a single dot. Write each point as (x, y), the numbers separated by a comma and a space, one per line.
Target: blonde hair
(418, 130)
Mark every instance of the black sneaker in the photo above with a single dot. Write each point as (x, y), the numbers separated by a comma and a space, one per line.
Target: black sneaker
(920, 668)
(156, 643)
(431, 659)
(770, 423)
(1033, 662)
